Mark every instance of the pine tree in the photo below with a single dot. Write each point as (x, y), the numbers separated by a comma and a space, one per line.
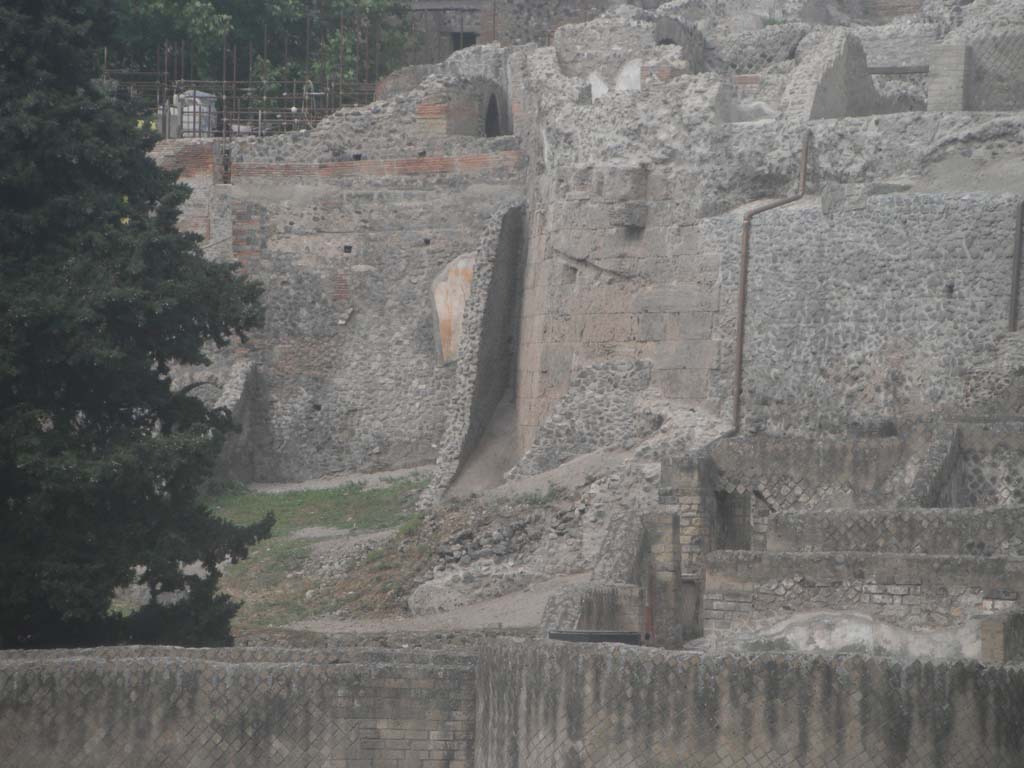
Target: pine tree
(101, 460)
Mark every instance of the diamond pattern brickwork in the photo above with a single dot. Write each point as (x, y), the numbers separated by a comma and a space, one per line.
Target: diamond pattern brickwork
(980, 531)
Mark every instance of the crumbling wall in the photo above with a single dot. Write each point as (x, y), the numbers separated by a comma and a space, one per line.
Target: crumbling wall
(346, 225)
(543, 704)
(903, 45)
(614, 276)
(832, 80)
(755, 50)
(473, 107)
(535, 21)
(443, 115)
(201, 165)
(587, 51)
(239, 708)
(348, 357)
(599, 410)
(487, 345)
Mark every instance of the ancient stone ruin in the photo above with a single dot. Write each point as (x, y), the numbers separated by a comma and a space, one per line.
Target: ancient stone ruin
(743, 279)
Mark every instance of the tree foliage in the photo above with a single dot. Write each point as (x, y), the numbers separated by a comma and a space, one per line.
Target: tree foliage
(277, 31)
(101, 460)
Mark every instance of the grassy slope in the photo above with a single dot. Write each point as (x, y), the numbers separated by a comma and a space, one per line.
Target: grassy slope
(268, 582)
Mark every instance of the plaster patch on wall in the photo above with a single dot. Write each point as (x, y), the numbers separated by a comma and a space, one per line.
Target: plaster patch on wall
(450, 291)
(628, 78)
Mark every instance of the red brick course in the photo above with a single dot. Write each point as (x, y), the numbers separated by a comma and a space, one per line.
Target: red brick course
(410, 166)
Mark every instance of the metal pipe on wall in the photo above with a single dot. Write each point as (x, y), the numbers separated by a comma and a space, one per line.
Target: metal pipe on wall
(1018, 235)
(741, 296)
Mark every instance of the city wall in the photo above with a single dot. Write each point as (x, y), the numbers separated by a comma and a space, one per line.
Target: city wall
(237, 708)
(517, 703)
(543, 704)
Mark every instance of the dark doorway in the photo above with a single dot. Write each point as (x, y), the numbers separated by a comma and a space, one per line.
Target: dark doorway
(462, 40)
(492, 123)
(732, 529)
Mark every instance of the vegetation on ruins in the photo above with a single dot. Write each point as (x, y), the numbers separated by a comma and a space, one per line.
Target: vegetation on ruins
(101, 460)
(345, 551)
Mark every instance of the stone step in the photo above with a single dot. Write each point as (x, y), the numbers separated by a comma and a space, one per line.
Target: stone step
(978, 531)
(756, 592)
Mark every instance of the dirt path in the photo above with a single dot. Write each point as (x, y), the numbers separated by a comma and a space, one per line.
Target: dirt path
(366, 479)
(518, 609)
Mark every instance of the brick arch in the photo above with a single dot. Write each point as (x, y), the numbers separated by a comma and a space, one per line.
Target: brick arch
(478, 107)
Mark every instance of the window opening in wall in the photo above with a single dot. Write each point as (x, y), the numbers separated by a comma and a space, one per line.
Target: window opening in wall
(462, 40)
(492, 124)
(426, 241)
(666, 41)
(732, 529)
(347, 249)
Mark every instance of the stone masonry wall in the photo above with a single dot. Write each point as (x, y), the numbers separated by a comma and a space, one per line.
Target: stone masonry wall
(991, 464)
(613, 276)
(869, 312)
(200, 163)
(833, 81)
(237, 708)
(753, 591)
(348, 369)
(793, 473)
(979, 531)
(995, 77)
(487, 345)
(599, 410)
(545, 704)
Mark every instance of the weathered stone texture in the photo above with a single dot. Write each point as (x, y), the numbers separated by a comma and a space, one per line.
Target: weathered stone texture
(487, 345)
(903, 590)
(872, 313)
(980, 531)
(348, 358)
(450, 292)
(791, 473)
(543, 704)
(600, 410)
(240, 708)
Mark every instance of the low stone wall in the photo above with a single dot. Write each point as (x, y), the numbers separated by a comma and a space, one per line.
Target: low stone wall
(242, 708)
(990, 466)
(801, 473)
(544, 704)
(753, 591)
(974, 532)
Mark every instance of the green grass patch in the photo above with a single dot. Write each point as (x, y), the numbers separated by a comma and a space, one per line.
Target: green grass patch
(269, 582)
(349, 506)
